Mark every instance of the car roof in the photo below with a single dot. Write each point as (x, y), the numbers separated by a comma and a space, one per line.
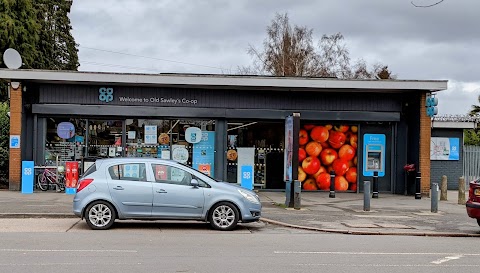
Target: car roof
(137, 159)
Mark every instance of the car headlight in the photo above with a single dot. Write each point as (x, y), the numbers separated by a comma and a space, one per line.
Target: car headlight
(250, 197)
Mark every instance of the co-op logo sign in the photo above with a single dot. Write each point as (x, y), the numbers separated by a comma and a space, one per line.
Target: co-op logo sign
(105, 94)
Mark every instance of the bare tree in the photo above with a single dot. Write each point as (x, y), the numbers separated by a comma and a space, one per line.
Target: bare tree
(426, 6)
(289, 51)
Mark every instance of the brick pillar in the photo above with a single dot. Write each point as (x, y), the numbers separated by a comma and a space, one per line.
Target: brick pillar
(15, 159)
(425, 135)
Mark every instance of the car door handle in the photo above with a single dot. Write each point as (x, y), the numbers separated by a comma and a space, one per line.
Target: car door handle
(161, 191)
(119, 188)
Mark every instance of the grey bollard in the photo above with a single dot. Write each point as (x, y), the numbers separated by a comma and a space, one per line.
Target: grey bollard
(366, 195)
(443, 189)
(434, 199)
(461, 191)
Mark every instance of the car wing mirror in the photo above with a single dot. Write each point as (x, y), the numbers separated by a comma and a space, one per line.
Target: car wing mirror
(194, 183)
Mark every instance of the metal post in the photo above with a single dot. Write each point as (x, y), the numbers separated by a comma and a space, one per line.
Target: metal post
(375, 185)
(434, 198)
(418, 194)
(366, 195)
(332, 184)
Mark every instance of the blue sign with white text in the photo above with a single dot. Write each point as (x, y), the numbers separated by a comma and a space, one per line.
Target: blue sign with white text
(443, 148)
(247, 177)
(28, 173)
(15, 142)
(374, 154)
(203, 157)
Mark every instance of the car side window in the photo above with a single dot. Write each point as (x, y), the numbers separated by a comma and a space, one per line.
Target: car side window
(171, 175)
(131, 172)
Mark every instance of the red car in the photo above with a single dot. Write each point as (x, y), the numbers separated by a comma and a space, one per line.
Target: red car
(473, 202)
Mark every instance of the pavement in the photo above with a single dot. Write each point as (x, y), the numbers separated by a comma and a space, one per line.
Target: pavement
(389, 214)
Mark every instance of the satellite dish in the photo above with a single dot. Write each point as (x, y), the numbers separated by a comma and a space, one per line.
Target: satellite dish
(12, 59)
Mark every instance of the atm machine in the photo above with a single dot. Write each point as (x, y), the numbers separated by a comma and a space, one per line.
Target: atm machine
(374, 154)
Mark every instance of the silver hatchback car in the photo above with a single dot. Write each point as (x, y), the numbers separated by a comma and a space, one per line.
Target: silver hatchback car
(157, 189)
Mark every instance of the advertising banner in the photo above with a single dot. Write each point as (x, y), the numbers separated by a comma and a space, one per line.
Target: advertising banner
(204, 154)
(442, 148)
(27, 176)
(288, 155)
(245, 165)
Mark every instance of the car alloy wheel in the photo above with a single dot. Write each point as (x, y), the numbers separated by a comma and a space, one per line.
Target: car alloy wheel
(100, 215)
(224, 216)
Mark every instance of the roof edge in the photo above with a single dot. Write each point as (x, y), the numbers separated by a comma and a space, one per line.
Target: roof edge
(217, 80)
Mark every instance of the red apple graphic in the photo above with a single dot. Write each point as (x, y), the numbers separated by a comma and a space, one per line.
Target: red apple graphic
(325, 145)
(341, 128)
(311, 165)
(302, 137)
(341, 183)
(319, 134)
(313, 148)
(323, 181)
(352, 187)
(351, 175)
(301, 174)
(346, 152)
(321, 170)
(340, 166)
(301, 154)
(328, 156)
(336, 139)
(308, 127)
(354, 140)
(310, 185)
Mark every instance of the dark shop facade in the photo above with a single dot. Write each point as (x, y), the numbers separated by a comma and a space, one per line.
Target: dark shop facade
(225, 125)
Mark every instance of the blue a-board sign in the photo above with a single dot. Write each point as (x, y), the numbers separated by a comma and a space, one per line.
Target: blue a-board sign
(203, 158)
(247, 177)
(374, 154)
(28, 174)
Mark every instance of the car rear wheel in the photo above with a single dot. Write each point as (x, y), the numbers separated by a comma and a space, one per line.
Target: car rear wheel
(100, 215)
(224, 216)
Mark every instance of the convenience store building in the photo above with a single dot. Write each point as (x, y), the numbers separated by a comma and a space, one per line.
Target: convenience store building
(60, 116)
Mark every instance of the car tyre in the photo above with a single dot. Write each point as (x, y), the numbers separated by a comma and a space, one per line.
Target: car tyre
(100, 215)
(223, 216)
(478, 222)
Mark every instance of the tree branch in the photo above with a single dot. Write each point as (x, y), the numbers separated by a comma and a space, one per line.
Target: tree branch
(426, 6)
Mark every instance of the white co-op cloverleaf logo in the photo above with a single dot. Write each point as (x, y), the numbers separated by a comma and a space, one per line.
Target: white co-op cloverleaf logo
(27, 171)
(105, 94)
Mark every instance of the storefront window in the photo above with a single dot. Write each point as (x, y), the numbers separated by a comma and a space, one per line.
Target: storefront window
(64, 140)
(188, 141)
(105, 138)
(256, 144)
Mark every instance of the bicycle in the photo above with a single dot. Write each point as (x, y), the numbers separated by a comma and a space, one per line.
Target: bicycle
(49, 177)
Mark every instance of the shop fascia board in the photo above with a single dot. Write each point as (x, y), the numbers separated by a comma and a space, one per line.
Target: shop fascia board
(220, 81)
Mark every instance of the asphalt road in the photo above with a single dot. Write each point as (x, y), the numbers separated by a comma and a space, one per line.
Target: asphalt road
(67, 245)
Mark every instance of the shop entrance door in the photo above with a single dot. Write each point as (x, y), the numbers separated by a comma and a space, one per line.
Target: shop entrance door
(376, 155)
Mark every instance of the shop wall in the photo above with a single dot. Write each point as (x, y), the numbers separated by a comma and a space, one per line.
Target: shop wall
(453, 169)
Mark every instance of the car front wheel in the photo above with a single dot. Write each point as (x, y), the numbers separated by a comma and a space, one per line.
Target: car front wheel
(224, 216)
(100, 215)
